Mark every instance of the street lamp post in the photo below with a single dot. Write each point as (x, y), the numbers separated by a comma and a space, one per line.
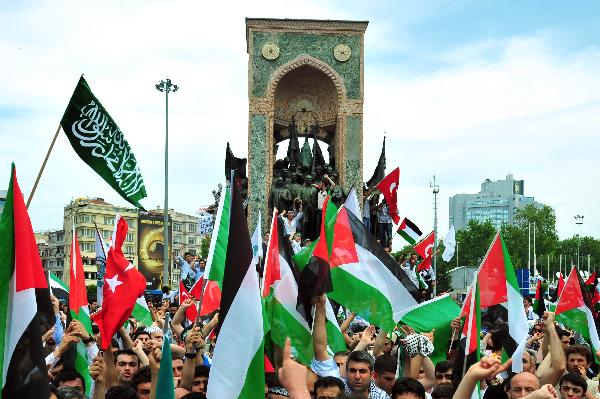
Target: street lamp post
(166, 86)
(578, 222)
(436, 190)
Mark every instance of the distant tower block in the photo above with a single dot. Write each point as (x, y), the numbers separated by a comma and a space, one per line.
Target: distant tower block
(313, 70)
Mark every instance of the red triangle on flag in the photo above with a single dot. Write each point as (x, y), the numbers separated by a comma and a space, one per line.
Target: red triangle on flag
(343, 250)
(492, 276)
(571, 296)
(272, 271)
(77, 291)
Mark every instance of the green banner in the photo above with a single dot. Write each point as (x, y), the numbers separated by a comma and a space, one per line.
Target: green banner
(99, 142)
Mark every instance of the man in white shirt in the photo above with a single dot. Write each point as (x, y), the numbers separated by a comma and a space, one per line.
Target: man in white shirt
(291, 220)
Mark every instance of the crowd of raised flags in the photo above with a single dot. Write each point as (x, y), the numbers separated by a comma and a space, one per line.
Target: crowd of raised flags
(339, 318)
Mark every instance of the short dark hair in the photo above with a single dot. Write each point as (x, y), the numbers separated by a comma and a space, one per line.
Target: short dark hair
(121, 392)
(143, 375)
(140, 331)
(579, 350)
(443, 391)
(186, 254)
(68, 375)
(125, 352)
(408, 385)
(444, 366)
(360, 357)
(528, 299)
(201, 371)
(327, 382)
(385, 362)
(341, 353)
(574, 379)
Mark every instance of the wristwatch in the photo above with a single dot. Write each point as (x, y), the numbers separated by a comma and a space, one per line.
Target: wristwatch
(88, 340)
(190, 355)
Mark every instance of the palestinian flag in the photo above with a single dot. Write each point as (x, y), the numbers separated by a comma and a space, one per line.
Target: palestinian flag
(239, 373)
(78, 308)
(280, 288)
(141, 312)
(58, 288)
(572, 311)
(409, 231)
(211, 281)
(191, 313)
(560, 286)
(435, 314)
(165, 387)
(471, 333)
(498, 285)
(366, 280)
(539, 306)
(314, 277)
(25, 308)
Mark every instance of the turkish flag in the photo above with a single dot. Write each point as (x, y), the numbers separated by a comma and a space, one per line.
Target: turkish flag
(389, 188)
(425, 247)
(123, 285)
(191, 313)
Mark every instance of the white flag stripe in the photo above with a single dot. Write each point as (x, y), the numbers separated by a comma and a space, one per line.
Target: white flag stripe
(242, 329)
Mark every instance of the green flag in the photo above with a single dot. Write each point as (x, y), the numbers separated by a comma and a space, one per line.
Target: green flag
(165, 388)
(99, 142)
(435, 314)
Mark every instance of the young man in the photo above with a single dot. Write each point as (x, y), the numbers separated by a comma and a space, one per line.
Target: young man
(579, 358)
(141, 382)
(443, 372)
(408, 388)
(359, 381)
(127, 363)
(572, 386)
(384, 372)
(69, 378)
(328, 388)
(201, 375)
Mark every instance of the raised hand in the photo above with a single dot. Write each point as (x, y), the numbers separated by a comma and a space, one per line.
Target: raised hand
(488, 367)
(293, 375)
(97, 369)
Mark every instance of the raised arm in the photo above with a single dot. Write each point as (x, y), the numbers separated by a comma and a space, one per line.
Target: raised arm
(319, 330)
(551, 375)
(486, 368)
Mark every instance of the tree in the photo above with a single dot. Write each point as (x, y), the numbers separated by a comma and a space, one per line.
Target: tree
(587, 246)
(516, 236)
(204, 246)
(474, 241)
(91, 293)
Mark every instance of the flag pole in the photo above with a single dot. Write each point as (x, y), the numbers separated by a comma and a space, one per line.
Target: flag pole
(199, 306)
(37, 179)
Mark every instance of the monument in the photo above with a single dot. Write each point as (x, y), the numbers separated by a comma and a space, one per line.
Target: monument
(305, 83)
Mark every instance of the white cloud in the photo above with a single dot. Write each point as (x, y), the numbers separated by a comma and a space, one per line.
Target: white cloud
(497, 105)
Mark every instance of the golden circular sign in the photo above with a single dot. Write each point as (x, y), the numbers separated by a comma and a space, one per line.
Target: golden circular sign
(270, 51)
(342, 52)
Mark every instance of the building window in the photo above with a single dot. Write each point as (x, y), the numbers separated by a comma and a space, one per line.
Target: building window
(106, 234)
(176, 226)
(130, 223)
(130, 237)
(192, 228)
(84, 218)
(192, 252)
(177, 240)
(87, 246)
(108, 220)
(192, 240)
(129, 249)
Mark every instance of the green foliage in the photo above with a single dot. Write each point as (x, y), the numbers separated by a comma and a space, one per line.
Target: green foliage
(91, 293)
(204, 246)
(473, 242)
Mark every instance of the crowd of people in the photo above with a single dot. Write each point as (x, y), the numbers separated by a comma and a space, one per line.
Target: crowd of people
(557, 363)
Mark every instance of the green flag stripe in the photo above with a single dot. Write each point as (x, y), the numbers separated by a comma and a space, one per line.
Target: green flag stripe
(254, 384)
(217, 256)
(7, 264)
(379, 310)
(509, 270)
(284, 325)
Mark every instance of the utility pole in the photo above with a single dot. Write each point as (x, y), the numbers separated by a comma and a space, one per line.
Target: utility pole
(166, 86)
(578, 222)
(436, 190)
(529, 247)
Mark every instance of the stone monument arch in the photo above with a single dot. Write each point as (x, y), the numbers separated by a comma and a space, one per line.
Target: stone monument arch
(305, 79)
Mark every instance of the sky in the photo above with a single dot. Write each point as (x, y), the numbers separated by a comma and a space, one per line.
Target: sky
(464, 90)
